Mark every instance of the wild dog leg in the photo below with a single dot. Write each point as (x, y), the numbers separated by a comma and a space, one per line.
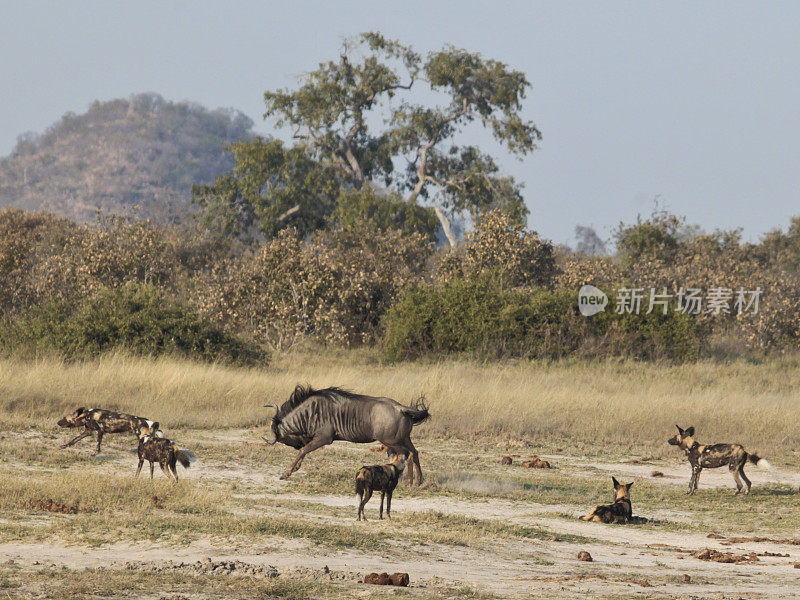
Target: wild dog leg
(139, 468)
(695, 478)
(388, 505)
(383, 497)
(152, 467)
(747, 482)
(77, 439)
(318, 442)
(367, 496)
(734, 469)
(99, 439)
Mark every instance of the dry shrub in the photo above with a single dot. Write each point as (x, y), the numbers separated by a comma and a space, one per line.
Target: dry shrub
(334, 289)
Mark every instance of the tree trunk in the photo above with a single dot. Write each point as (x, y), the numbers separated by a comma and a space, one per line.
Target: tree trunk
(446, 226)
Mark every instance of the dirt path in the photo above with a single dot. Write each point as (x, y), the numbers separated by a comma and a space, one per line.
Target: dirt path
(629, 561)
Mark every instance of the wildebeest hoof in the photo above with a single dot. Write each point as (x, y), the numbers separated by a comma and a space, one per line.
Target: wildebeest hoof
(64, 446)
(285, 476)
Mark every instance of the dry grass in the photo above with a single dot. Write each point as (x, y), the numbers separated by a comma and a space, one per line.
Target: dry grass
(627, 404)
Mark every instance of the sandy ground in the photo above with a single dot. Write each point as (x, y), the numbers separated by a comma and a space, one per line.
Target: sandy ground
(629, 561)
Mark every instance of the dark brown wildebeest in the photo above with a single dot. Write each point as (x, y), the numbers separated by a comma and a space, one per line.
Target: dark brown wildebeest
(103, 421)
(313, 418)
(712, 456)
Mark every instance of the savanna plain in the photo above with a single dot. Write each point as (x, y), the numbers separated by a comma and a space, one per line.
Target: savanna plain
(76, 525)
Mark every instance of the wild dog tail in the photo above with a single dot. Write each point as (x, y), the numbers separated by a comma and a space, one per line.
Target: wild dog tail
(589, 516)
(417, 413)
(760, 462)
(185, 457)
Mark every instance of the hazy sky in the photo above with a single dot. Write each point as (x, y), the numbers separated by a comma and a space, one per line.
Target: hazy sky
(697, 103)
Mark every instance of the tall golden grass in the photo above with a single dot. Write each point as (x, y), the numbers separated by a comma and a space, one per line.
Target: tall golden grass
(596, 403)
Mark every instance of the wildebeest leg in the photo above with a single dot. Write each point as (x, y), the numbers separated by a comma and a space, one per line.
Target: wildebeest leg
(367, 496)
(139, 468)
(380, 514)
(409, 445)
(319, 441)
(77, 439)
(99, 439)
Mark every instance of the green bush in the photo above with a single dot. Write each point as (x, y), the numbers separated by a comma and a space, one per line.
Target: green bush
(135, 317)
(384, 212)
(474, 316)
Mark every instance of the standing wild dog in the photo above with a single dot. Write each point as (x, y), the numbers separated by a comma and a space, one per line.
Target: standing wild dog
(618, 512)
(714, 456)
(103, 421)
(382, 478)
(162, 451)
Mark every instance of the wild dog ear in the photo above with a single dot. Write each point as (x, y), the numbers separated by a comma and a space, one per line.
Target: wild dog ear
(156, 427)
(80, 411)
(689, 431)
(629, 486)
(679, 429)
(616, 483)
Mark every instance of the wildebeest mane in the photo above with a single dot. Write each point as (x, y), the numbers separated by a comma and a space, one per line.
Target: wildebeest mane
(302, 393)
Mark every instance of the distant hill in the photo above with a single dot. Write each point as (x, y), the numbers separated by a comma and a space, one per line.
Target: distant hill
(139, 155)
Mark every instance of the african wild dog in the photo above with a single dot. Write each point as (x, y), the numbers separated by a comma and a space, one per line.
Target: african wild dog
(103, 421)
(618, 512)
(382, 478)
(713, 456)
(162, 451)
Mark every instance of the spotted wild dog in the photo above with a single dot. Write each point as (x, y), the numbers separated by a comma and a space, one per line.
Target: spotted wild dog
(103, 421)
(162, 451)
(382, 478)
(714, 456)
(618, 512)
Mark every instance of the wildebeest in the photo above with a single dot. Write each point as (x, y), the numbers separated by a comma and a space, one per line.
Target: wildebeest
(712, 456)
(618, 512)
(313, 418)
(161, 451)
(380, 478)
(103, 421)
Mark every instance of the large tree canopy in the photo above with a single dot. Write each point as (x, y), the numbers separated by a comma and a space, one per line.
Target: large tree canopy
(356, 122)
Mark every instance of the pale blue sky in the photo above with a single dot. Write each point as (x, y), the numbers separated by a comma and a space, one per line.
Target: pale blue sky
(697, 102)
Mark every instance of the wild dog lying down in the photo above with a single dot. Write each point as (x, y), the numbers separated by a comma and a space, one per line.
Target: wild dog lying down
(619, 512)
(382, 478)
(701, 457)
(161, 451)
(103, 421)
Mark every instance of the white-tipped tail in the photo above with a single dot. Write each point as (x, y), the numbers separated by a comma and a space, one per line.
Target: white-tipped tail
(763, 463)
(189, 454)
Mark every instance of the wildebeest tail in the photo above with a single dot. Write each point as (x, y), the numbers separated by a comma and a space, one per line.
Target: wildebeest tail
(759, 462)
(185, 457)
(418, 413)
